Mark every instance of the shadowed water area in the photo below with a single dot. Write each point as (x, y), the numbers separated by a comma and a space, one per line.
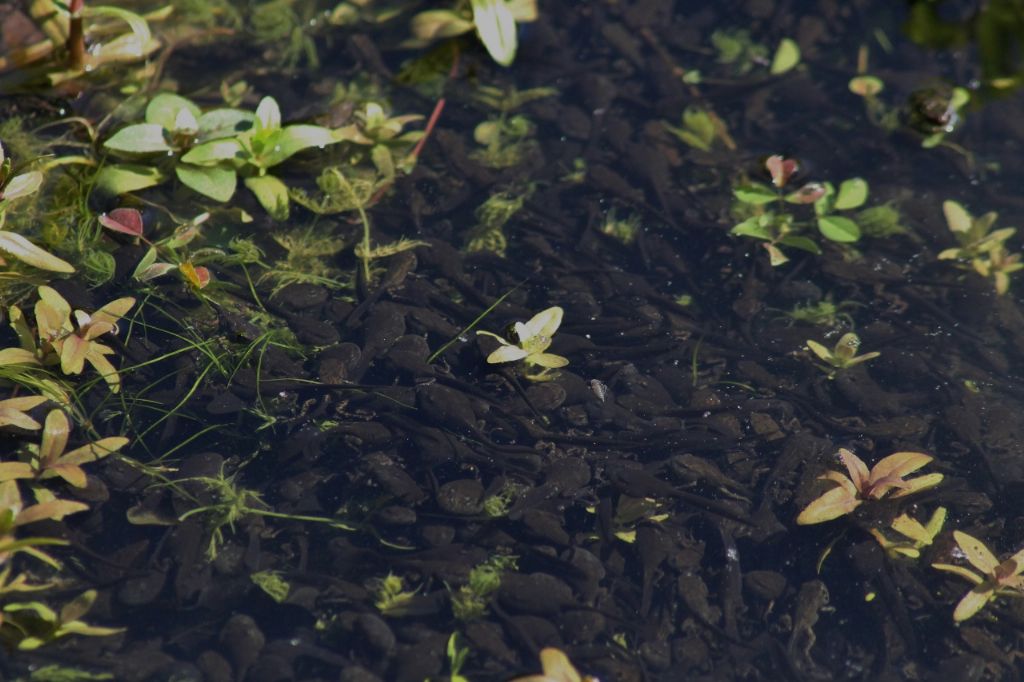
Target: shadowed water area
(748, 402)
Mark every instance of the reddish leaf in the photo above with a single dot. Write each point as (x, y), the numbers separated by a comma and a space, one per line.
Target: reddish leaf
(807, 194)
(781, 169)
(124, 220)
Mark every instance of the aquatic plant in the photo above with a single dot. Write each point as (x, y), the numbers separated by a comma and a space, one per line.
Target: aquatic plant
(66, 343)
(470, 600)
(30, 625)
(556, 667)
(824, 313)
(271, 582)
(700, 128)
(211, 150)
(492, 215)
(390, 596)
(915, 536)
(457, 654)
(996, 578)
(781, 228)
(129, 221)
(15, 513)
(14, 186)
(981, 248)
(13, 411)
(532, 338)
(621, 228)
(115, 35)
(885, 480)
(48, 459)
(494, 21)
(630, 512)
(841, 356)
(231, 503)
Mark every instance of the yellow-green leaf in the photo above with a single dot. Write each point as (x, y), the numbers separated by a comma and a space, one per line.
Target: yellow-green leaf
(787, 55)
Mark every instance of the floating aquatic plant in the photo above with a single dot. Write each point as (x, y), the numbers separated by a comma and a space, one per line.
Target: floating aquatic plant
(780, 228)
(996, 578)
(494, 21)
(981, 248)
(887, 479)
(532, 339)
(841, 356)
(66, 343)
(49, 460)
(915, 536)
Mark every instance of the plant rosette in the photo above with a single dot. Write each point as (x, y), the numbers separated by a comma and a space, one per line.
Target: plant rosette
(532, 340)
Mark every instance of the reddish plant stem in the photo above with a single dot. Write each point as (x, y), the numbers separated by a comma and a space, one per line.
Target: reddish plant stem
(436, 114)
(76, 36)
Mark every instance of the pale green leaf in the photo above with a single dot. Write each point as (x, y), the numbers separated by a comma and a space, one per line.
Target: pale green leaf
(802, 243)
(141, 138)
(268, 115)
(213, 152)
(957, 217)
(787, 55)
(755, 194)
(216, 182)
(496, 28)
(852, 193)
(271, 193)
(838, 229)
(751, 227)
(22, 185)
(16, 246)
(775, 255)
(294, 139)
(437, 24)
(163, 110)
(124, 178)
(506, 354)
(224, 123)
(973, 602)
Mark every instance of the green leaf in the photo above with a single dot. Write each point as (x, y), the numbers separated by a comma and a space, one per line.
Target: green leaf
(213, 152)
(802, 243)
(787, 55)
(755, 194)
(141, 138)
(838, 229)
(496, 28)
(268, 115)
(852, 193)
(126, 177)
(16, 246)
(271, 193)
(216, 182)
(752, 227)
(435, 24)
(960, 97)
(294, 139)
(957, 217)
(22, 185)
(775, 255)
(823, 206)
(163, 110)
(224, 123)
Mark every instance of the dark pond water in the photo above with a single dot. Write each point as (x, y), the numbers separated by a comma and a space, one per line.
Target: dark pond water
(723, 250)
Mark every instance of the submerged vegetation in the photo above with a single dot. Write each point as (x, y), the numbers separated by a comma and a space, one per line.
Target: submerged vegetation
(230, 237)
